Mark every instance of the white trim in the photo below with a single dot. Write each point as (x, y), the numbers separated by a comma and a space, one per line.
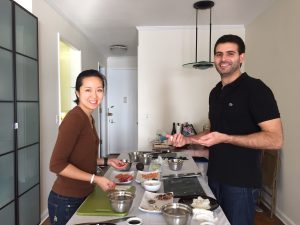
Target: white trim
(58, 80)
(44, 216)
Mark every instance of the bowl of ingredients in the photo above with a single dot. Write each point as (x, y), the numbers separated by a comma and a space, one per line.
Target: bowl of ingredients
(152, 185)
(145, 158)
(133, 156)
(175, 164)
(121, 201)
(126, 164)
(176, 213)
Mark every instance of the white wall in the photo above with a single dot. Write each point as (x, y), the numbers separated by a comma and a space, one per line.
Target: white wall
(50, 24)
(273, 55)
(167, 92)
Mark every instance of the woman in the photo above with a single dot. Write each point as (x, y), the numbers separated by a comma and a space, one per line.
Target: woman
(74, 158)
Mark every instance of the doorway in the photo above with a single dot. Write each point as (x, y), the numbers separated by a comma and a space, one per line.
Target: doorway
(70, 67)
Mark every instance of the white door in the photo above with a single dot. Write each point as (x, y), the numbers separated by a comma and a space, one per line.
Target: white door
(122, 110)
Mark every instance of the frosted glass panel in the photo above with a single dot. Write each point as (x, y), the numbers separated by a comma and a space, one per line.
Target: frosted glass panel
(26, 33)
(28, 161)
(6, 124)
(7, 214)
(6, 179)
(28, 119)
(5, 24)
(6, 75)
(29, 207)
(27, 79)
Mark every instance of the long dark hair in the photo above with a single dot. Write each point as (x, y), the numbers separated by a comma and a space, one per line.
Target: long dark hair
(88, 73)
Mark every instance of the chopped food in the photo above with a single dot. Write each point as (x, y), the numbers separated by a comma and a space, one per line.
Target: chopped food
(124, 177)
(165, 196)
(151, 201)
(201, 203)
(149, 176)
(121, 163)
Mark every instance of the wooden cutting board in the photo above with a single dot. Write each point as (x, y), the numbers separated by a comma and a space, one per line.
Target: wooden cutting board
(97, 204)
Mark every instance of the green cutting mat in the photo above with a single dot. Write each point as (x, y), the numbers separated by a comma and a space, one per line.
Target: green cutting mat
(97, 204)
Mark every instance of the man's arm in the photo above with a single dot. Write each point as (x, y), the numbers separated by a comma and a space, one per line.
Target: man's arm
(269, 138)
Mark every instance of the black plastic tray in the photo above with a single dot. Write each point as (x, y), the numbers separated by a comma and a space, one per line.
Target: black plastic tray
(183, 187)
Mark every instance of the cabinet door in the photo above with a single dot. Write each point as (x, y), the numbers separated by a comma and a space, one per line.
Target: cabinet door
(19, 105)
(7, 167)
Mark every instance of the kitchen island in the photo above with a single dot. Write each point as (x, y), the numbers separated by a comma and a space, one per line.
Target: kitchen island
(149, 218)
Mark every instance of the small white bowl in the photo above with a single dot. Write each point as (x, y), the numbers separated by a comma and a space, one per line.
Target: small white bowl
(134, 221)
(152, 185)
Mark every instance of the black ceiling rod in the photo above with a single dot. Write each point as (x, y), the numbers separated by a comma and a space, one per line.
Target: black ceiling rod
(196, 35)
(209, 57)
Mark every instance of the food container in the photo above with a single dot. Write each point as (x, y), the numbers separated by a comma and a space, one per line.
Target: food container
(176, 213)
(175, 164)
(128, 166)
(133, 156)
(121, 201)
(152, 185)
(145, 158)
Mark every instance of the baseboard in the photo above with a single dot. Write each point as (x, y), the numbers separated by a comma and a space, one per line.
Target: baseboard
(44, 216)
(284, 218)
(280, 215)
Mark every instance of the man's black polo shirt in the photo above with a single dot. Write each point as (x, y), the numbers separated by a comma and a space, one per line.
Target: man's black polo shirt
(236, 109)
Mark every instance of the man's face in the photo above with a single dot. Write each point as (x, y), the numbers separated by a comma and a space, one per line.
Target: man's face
(227, 59)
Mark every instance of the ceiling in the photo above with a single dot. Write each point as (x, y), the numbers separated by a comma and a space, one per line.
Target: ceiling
(109, 22)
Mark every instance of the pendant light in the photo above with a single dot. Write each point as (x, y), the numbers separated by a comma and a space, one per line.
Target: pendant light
(202, 64)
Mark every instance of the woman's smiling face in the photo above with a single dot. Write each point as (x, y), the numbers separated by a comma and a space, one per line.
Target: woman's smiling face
(90, 94)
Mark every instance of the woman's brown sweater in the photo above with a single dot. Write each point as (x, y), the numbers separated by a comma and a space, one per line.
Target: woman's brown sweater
(76, 144)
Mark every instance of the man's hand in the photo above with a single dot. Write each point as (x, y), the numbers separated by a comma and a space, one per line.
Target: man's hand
(177, 140)
(210, 139)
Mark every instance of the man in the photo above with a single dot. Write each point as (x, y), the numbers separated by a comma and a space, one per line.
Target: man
(244, 120)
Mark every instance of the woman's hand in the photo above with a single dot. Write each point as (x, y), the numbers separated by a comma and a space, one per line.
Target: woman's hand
(116, 163)
(104, 183)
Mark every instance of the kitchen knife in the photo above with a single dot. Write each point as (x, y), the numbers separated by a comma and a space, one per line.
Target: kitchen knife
(108, 222)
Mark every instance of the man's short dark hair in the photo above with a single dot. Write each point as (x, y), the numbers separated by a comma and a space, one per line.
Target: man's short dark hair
(232, 39)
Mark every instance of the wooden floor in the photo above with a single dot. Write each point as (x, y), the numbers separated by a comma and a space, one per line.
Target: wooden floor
(263, 218)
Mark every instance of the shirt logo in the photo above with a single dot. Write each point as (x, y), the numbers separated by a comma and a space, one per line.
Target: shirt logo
(230, 104)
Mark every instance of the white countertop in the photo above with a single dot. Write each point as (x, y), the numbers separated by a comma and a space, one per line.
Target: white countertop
(155, 218)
